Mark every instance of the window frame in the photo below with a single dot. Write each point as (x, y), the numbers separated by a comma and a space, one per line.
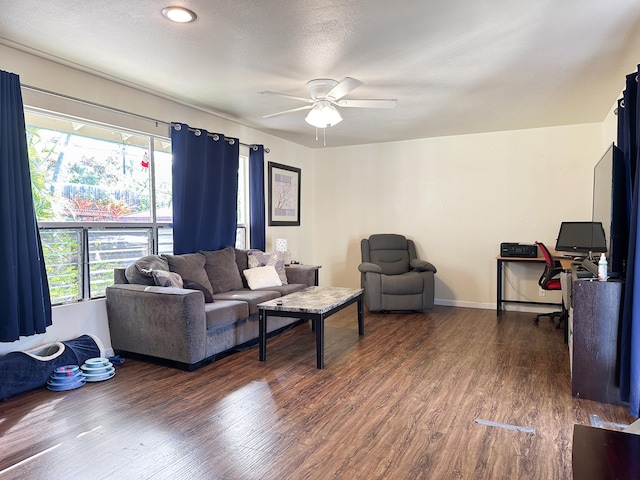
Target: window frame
(85, 229)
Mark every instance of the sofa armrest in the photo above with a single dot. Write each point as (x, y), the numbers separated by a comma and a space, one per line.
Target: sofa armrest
(301, 274)
(164, 323)
(422, 266)
(119, 276)
(368, 267)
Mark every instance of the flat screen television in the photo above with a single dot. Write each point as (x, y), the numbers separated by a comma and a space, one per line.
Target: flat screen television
(582, 238)
(611, 202)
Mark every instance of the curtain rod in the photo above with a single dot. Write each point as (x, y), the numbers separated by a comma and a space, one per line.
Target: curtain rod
(215, 136)
(118, 110)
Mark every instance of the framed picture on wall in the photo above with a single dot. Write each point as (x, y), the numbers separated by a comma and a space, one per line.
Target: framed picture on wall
(284, 195)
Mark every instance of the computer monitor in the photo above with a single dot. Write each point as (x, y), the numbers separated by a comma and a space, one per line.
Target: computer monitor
(581, 238)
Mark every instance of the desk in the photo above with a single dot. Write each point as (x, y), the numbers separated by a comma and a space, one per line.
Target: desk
(600, 454)
(499, 287)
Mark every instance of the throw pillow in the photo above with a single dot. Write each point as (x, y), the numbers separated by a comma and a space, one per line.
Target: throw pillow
(191, 285)
(141, 271)
(190, 266)
(167, 279)
(242, 261)
(257, 258)
(222, 270)
(262, 277)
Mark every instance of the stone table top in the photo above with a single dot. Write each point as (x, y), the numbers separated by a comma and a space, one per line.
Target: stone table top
(312, 300)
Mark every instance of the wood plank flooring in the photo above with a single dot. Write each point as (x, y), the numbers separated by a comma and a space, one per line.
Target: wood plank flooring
(399, 403)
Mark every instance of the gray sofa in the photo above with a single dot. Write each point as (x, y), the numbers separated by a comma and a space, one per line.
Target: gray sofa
(213, 312)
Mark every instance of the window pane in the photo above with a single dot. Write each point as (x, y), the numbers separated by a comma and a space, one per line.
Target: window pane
(241, 238)
(242, 189)
(163, 179)
(243, 202)
(63, 260)
(109, 249)
(87, 173)
(165, 241)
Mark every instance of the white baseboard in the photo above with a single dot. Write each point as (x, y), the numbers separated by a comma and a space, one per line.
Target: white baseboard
(513, 307)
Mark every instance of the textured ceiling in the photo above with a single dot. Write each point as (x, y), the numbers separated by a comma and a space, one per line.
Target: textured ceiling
(454, 66)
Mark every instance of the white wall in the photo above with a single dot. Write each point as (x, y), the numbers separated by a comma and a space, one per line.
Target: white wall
(458, 197)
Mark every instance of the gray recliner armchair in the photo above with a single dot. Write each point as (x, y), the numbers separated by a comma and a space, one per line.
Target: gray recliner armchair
(392, 276)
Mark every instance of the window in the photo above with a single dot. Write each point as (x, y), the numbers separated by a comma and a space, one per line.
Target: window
(242, 232)
(103, 197)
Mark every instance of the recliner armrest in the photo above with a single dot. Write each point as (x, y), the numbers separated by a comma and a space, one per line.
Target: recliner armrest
(365, 267)
(422, 266)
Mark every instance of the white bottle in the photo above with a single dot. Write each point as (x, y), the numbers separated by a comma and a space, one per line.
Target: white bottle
(602, 268)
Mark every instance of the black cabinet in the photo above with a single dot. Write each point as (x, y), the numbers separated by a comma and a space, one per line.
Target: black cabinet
(593, 340)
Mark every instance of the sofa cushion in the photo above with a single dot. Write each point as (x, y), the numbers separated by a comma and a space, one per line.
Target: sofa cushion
(262, 277)
(164, 278)
(257, 258)
(406, 284)
(286, 289)
(222, 270)
(190, 266)
(193, 285)
(140, 272)
(225, 313)
(252, 297)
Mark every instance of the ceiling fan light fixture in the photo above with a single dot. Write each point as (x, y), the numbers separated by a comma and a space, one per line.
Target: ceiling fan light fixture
(179, 14)
(323, 115)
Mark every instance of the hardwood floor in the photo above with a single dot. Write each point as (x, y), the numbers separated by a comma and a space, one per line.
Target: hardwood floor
(399, 403)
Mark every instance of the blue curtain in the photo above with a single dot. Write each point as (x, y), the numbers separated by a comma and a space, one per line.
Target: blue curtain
(257, 202)
(205, 189)
(25, 304)
(628, 141)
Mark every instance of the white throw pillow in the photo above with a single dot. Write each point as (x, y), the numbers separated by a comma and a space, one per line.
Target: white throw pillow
(262, 277)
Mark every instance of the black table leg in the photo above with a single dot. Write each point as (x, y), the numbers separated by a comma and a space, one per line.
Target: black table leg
(499, 289)
(319, 327)
(360, 316)
(262, 329)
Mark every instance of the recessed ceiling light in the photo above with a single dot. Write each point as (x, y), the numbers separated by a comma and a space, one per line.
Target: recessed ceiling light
(179, 14)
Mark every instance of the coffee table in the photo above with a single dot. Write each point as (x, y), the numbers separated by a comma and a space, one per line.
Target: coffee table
(312, 303)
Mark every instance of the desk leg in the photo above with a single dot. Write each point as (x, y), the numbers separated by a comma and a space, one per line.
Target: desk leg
(319, 324)
(499, 288)
(262, 329)
(360, 316)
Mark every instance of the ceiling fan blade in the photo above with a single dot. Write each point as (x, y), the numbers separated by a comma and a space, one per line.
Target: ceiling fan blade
(346, 85)
(306, 107)
(371, 103)
(302, 99)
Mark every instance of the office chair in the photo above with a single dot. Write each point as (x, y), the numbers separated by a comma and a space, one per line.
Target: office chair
(550, 280)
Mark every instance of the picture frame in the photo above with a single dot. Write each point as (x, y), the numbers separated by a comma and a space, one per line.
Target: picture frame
(284, 195)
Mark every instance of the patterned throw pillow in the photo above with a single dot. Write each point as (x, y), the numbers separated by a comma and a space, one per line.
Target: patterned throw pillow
(163, 278)
(258, 258)
(141, 271)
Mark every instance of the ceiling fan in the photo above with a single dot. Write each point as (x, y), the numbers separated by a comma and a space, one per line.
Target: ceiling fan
(326, 95)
